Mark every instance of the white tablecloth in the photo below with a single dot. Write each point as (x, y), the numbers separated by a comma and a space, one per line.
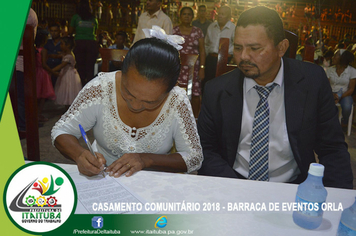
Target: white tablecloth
(168, 187)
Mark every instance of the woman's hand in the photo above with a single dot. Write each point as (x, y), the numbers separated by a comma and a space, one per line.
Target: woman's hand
(88, 164)
(336, 98)
(129, 163)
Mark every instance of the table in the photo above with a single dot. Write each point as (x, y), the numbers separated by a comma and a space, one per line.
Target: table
(169, 187)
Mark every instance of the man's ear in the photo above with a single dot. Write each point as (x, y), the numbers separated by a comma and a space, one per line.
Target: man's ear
(282, 47)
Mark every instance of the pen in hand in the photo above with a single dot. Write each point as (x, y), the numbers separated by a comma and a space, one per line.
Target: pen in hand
(85, 137)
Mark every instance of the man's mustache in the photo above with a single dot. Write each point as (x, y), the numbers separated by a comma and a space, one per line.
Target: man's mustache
(247, 63)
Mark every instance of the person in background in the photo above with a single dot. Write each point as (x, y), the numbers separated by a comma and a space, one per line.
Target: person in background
(69, 84)
(269, 118)
(202, 22)
(213, 14)
(44, 87)
(104, 39)
(222, 28)
(353, 51)
(64, 28)
(85, 25)
(52, 49)
(342, 79)
(120, 41)
(136, 115)
(43, 27)
(153, 16)
(193, 44)
(327, 56)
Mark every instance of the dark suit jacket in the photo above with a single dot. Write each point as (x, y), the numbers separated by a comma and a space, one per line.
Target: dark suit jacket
(311, 117)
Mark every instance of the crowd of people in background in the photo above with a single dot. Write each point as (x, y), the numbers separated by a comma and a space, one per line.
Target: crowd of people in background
(190, 20)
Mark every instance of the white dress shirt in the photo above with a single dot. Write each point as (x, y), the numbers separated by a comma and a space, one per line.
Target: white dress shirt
(214, 34)
(146, 21)
(282, 165)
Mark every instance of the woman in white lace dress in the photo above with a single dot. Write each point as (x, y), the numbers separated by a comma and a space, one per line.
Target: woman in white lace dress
(136, 116)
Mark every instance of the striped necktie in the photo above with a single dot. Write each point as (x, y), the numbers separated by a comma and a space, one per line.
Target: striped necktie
(258, 165)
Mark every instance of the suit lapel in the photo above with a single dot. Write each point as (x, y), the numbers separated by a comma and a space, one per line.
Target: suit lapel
(295, 98)
(231, 104)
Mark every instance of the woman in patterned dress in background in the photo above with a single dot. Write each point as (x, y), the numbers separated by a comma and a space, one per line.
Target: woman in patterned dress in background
(194, 44)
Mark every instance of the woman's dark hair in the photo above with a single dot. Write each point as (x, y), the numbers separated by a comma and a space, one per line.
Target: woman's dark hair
(266, 17)
(155, 60)
(84, 10)
(69, 41)
(184, 8)
(40, 39)
(328, 54)
(346, 58)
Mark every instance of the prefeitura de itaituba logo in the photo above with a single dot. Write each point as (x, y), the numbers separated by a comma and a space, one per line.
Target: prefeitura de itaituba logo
(47, 199)
(39, 207)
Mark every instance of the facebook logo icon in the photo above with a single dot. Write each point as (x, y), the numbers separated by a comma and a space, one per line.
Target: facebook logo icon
(97, 222)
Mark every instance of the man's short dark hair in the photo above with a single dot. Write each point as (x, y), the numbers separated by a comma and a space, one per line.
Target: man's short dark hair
(266, 17)
(201, 6)
(123, 34)
(55, 24)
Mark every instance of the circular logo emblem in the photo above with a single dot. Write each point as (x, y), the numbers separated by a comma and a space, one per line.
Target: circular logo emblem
(161, 222)
(39, 197)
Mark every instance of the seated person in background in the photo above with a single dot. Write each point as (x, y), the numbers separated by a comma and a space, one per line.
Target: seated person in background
(342, 79)
(120, 41)
(264, 120)
(104, 40)
(327, 56)
(136, 115)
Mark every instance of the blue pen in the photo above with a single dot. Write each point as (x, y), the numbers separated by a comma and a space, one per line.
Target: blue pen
(85, 137)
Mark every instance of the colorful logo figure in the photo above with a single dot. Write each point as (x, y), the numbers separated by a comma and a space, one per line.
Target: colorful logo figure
(47, 189)
(43, 203)
(97, 222)
(45, 200)
(161, 222)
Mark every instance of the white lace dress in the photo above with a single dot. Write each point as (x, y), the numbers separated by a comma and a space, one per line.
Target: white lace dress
(95, 108)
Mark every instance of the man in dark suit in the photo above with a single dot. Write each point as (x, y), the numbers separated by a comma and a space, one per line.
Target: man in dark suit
(301, 114)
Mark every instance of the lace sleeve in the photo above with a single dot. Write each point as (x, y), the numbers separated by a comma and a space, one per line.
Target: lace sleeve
(186, 137)
(83, 111)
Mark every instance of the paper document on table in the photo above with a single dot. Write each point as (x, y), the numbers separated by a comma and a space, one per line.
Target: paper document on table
(98, 195)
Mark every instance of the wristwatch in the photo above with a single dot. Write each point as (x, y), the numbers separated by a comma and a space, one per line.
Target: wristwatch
(202, 66)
